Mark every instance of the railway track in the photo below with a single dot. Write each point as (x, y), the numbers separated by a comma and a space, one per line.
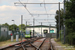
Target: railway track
(31, 44)
(18, 45)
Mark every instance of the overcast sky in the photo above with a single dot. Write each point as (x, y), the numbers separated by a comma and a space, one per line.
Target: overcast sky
(9, 12)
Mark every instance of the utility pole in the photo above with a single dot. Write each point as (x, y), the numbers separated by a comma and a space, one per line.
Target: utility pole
(26, 23)
(21, 25)
(41, 28)
(49, 27)
(64, 20)
(33, 26)
(59, 19)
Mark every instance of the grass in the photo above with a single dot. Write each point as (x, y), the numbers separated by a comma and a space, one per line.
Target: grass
(8, 42)
(65, 46)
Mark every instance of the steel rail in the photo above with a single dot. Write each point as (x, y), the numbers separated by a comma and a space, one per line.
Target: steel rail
(14, 45)
(41, 44)
(38, 48)
(27, 43)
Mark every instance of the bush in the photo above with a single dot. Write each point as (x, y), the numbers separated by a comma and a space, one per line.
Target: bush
(70, 38)
(57, 40)
(61, 36)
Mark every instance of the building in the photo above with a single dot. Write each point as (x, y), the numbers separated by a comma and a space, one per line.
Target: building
(3, 31)
(40, 29)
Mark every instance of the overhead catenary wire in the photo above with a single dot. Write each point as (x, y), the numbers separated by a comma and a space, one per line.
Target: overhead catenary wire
(27, 1)
(45, 19)
(45, 9)
(47, 22)
(35, 3)
(25, 7)
(24, 4)
(44, 14)
(37, 20)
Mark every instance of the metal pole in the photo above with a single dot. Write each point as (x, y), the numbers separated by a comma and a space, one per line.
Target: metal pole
(35, 3)
(49, 28)
(50, 34)
(26, 23)
(13, 26)
(61, 33)
(64, 20)
(41, 28)
(59, 19)
(21, 25)
(33, 27)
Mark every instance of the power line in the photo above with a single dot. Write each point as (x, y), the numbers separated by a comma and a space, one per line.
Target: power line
(48, 22)
(27, 1)
(45, 8)
(43, 14)
(44, 19)
(24, 4)
(25, 7)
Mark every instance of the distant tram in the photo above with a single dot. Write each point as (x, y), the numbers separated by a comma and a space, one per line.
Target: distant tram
(27, 33)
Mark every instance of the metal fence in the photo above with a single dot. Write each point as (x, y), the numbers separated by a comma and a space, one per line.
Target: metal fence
(51, 35)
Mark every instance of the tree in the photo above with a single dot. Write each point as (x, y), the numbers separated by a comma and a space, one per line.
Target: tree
(70, 15)
(57, 21)
(23, 27)
(13, 27)
(6, 24)
(70, 21)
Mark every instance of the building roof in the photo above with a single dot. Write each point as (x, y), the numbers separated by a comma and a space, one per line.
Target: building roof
(41, 26)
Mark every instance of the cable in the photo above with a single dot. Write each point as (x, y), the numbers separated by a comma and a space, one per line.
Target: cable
(37, 21)
(25, 8)
(45, 9)
(27, 1)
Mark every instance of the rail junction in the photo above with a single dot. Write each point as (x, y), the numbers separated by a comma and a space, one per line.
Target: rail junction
(31, 44)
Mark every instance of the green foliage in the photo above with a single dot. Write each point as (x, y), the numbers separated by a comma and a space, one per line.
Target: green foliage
(57, 40)
(70, 37)
(70, 15)
(60, 34)
(70, 21)
(23, 27)
(61, 17)
(13, 27)
(57, 20)
(6, 24)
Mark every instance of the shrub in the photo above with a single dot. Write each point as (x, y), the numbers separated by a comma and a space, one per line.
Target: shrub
(71, 38)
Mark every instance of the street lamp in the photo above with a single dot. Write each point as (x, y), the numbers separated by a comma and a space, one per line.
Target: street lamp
(13, 26)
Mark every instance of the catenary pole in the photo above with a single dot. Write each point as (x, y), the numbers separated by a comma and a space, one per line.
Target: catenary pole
(59, 19)
(64, 20)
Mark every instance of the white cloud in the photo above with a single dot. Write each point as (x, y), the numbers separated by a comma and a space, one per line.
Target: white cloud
(9, 12)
